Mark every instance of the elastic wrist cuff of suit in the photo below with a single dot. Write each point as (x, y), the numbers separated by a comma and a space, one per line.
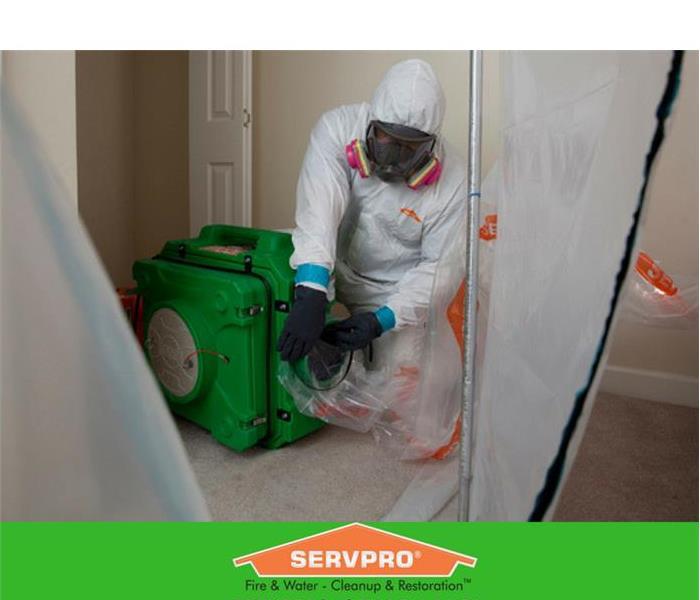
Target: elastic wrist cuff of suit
(386, 318)
(313, 276)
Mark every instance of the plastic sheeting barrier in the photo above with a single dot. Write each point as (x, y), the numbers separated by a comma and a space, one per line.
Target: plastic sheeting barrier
(85, 431)
(577, 127)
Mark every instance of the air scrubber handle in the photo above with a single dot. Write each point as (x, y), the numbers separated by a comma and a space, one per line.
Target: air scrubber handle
(263, 241)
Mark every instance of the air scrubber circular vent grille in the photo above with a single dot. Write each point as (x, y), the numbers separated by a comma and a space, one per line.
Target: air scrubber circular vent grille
(173, 352)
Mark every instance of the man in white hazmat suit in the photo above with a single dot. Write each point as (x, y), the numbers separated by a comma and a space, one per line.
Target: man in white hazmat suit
(378, 193)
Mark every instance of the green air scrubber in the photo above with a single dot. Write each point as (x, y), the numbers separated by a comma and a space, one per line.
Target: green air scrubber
(214, 307)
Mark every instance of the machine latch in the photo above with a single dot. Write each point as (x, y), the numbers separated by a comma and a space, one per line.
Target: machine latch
(254, 310)
(282, 306)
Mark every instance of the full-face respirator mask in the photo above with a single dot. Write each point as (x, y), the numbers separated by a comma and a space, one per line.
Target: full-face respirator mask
(395, 153)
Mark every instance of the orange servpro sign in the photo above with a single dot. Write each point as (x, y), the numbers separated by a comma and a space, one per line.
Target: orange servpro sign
(355, 550)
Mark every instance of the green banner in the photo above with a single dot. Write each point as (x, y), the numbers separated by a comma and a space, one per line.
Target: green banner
(195, 561)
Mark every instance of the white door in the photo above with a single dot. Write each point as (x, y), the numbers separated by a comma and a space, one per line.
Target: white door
(220, 138)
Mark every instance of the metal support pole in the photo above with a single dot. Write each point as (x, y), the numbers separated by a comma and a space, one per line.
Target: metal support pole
(471, 282)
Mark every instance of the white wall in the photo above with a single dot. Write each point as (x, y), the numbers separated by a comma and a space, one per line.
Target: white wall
(132, 153)
(43, 83)
(292, 89)
(106, 150)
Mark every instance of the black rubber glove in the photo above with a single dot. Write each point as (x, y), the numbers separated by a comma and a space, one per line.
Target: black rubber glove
(354, 333)
(304, 324)
(325, 361)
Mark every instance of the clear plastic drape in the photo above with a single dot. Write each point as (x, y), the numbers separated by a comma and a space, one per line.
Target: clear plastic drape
(558, 213)
(577, 128)
(85, 431)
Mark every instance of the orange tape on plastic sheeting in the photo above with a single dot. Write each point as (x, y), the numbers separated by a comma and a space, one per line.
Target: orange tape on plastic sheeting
(655, 275)
(489, 229)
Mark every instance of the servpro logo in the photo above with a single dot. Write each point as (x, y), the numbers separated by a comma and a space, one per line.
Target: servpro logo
(355, 550)
(331, 559)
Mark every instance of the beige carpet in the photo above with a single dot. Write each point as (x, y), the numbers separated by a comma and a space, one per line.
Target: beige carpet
(331, 475)
(638, 461)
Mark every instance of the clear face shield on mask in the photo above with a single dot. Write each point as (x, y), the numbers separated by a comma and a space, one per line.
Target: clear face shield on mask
(397, 151)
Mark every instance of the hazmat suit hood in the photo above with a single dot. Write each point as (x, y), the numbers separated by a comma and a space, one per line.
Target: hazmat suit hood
(410, 94)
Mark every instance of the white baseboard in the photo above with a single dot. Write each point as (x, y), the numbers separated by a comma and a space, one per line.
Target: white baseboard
(670, 388)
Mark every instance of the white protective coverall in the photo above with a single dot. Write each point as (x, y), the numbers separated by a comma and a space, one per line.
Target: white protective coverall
(382, 240)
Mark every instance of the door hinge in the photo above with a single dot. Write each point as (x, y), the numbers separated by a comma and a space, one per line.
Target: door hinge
(246, 117)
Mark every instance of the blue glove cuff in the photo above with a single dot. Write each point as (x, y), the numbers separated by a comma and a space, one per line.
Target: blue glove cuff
(312, 273)
(386, 318)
